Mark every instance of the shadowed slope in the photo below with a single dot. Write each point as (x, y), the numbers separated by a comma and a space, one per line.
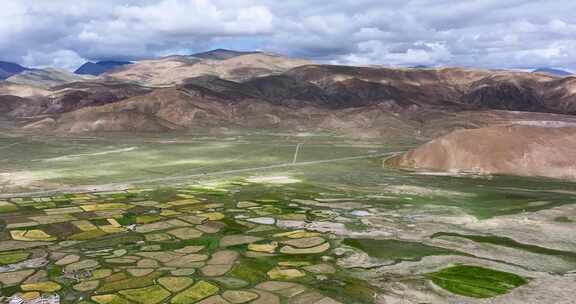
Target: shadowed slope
(73, 96)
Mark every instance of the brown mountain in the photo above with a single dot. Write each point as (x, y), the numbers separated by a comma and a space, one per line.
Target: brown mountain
(418, 98)
(190, 106)
(450, 87)
(269, 91)
(503, 150)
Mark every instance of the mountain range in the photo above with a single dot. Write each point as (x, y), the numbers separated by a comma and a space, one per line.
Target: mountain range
(261, 90)
(224, 89)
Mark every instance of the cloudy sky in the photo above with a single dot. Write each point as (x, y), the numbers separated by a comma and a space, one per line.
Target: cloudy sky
(483, 33)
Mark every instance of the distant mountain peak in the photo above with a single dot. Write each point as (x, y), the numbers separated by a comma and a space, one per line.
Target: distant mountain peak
(553, 72)
(8, 69)
(100, 67)
(221, 54)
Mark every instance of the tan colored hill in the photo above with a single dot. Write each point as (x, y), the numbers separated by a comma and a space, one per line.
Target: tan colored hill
(46, 78)
(501, 150)
(176, 69)
(22, 90)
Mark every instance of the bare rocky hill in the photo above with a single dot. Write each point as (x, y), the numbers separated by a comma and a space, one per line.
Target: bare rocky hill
(503, 150)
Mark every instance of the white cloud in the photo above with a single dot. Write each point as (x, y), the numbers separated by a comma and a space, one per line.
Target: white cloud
(486, 33)
(374, 51)
(196, 17)
(65, 59)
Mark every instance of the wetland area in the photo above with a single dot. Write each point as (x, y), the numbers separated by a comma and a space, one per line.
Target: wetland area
(239, 218)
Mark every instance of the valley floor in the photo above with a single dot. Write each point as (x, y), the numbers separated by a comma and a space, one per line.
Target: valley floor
(179, 219)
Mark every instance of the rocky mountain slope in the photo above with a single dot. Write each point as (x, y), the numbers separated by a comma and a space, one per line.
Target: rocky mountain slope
(73, 96)
(189, 106)
(504, 150)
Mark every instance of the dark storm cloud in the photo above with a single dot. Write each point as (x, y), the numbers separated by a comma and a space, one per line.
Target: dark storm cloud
(486, 33)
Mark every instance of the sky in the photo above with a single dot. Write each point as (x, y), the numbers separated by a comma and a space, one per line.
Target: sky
(473, 33)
